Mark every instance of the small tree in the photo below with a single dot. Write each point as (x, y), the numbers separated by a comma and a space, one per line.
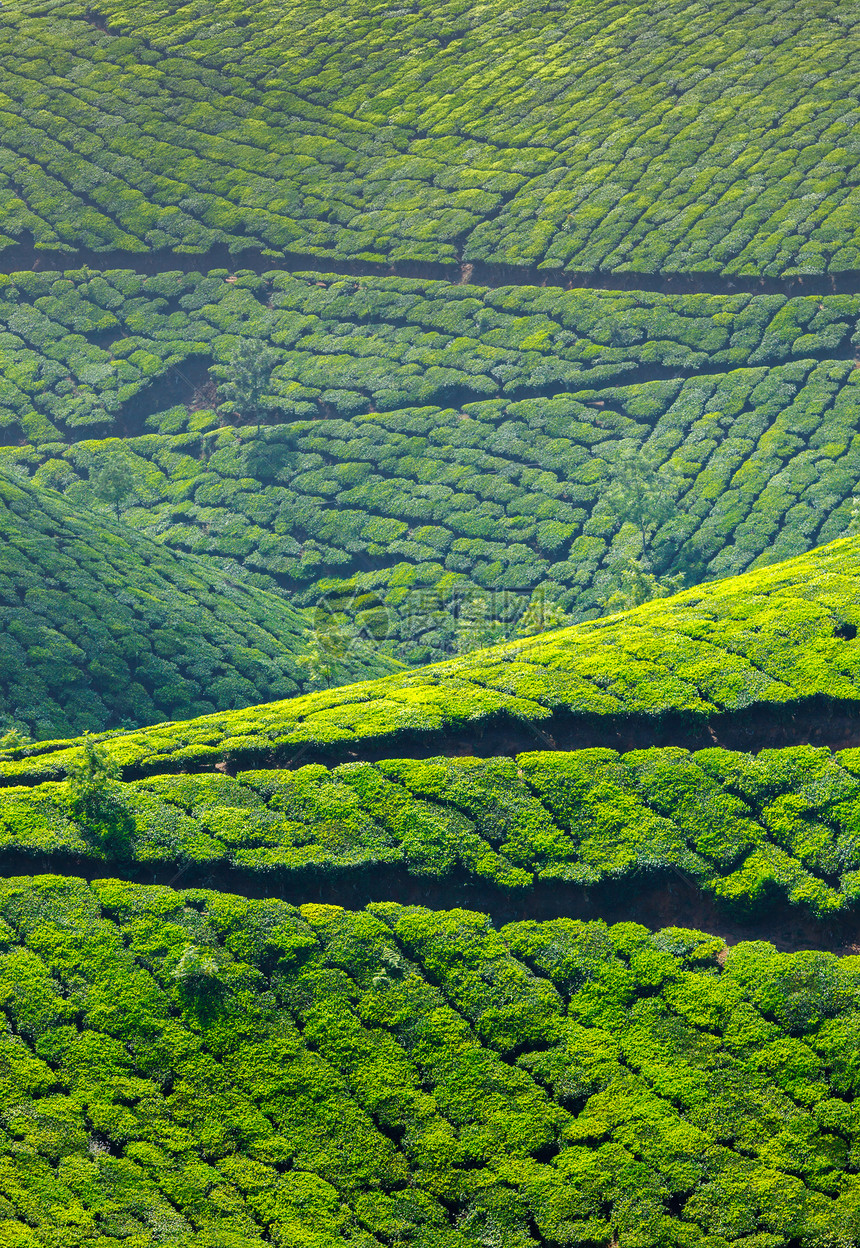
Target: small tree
(96, 802)
(854, 521)
(249, 377)
(640, 494)
(200, 981)
(633, 586)
(543, 613)
(114, 483)
(478, 626)
(12, 739)
(318, 665)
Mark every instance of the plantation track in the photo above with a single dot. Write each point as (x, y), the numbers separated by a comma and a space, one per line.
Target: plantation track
(477, 273)
(819, 721)
(826, 723)
(657, 899)
(185, 384)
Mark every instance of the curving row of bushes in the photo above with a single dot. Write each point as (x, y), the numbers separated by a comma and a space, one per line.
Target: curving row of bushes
(600, 139)
(83, 349)
(746, 829)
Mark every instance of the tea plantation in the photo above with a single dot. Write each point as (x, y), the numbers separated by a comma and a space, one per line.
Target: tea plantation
(434, 462)
(195, 1068)
(429, 542)
(101, 627)
(672, 137)
(782, 640)
(781, 825)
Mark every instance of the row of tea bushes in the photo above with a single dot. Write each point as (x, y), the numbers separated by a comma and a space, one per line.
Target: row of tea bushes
(746, 829)
(611, 139)
(195, 1068)
(85, 351)
(781, 636)
(101, 627)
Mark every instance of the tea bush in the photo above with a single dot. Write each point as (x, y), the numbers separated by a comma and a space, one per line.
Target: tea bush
(746, 829)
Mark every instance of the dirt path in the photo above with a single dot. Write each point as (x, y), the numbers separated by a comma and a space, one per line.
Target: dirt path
(16, 259)
(820, 721)
(656, 900)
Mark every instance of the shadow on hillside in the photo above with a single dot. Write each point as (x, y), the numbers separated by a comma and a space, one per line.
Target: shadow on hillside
(664, 898)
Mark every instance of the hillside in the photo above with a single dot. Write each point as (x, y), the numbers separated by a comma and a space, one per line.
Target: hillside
(103, 628)
(425, 453)
(751, 650)
(429, 609)
(674, 137)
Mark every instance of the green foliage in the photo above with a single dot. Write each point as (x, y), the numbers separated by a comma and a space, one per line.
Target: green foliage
(783, 825)
(589, 140)
(639, 494)
(634, 586)
(101, 627)
(91, 773)
(395, 1075)
(96, 802)
(771, 638)
(114, 483)
(248, 380)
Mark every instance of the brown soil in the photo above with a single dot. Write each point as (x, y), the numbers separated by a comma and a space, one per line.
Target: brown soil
(818, 721)
(656, 900)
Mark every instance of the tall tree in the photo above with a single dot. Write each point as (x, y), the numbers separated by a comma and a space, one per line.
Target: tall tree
(640, 493)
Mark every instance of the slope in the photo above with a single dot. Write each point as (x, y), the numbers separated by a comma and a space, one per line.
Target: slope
(101, 627)
(760, 648)
(674, 136)
(193, 1068)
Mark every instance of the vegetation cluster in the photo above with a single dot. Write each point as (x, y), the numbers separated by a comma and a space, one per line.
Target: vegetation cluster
(103, 628)
(198, 1068)
(588, 137)
(779, 638)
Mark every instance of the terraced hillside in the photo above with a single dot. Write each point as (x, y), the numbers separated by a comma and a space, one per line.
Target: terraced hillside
(502, 361)
(768, 657)
(543, 830)
(677, 137)
(101, 627)
(436, 465)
